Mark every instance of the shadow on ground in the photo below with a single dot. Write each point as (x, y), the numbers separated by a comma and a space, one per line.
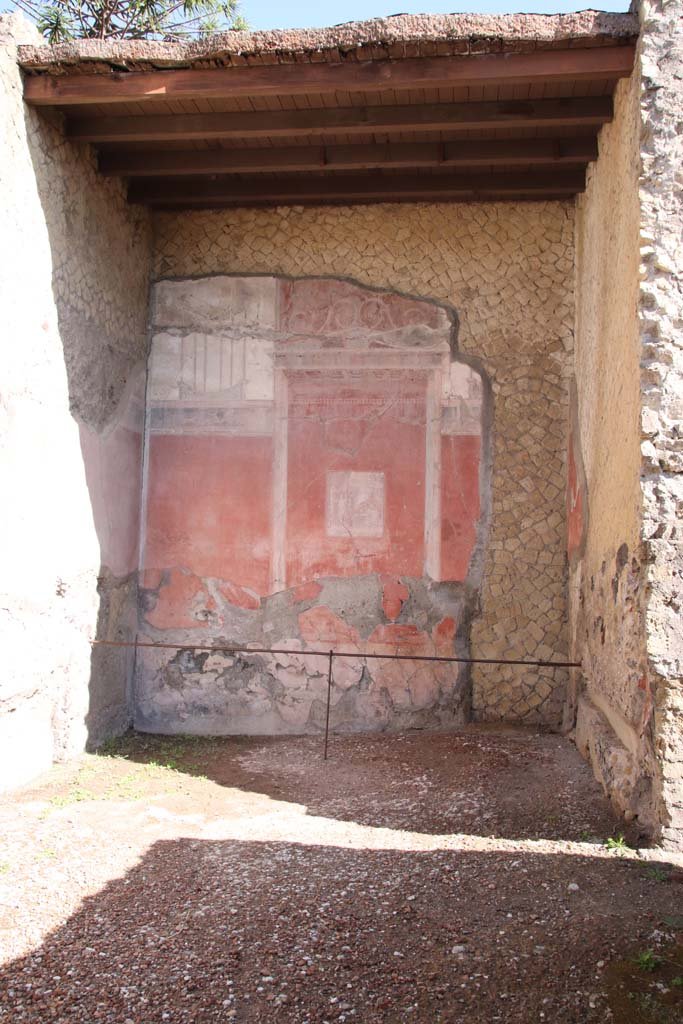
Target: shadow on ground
(214, 931)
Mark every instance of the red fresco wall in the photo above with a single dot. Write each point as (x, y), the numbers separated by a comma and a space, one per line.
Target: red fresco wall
(208, 507)
(195, 520)
(302, 435)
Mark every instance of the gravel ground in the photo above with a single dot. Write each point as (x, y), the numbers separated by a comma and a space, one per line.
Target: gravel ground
(432, 878)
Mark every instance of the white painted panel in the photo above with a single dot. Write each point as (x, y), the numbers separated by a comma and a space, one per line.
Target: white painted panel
(165, 367)
(355, 504)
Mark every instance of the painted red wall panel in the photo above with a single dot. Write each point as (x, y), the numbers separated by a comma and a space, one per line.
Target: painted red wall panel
(208, 506)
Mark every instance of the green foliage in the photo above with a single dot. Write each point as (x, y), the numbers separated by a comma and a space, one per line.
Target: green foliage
(75, 795)
(110, 747)
(617, 844)
(168, 20)
(647, 961)
(170, 763)
(657, 874)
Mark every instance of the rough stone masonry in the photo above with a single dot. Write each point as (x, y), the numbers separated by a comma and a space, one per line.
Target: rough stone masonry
(489, 462)
(660, 315)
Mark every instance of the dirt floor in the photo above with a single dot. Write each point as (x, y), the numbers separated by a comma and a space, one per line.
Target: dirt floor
(475, 877)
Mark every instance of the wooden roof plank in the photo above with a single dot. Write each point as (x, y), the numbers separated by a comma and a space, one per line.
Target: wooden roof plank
(352, 188)
(166, 163)
(460, 198)
(352, 120)
(588, 63)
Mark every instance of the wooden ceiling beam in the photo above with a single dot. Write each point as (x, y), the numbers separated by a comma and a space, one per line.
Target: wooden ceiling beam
(551, 66)
(319, 122)
(352, 188)
(489, 197)
(360, 157)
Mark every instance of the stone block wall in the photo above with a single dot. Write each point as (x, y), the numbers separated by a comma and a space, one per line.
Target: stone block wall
(74, 269)
(506, 272)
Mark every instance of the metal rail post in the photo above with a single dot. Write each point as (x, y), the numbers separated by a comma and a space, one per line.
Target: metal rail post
(329, 697)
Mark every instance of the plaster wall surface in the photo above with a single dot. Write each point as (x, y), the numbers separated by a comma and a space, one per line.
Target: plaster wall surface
(660, 311)
(610, 700)
(507, 270)
(73, 290)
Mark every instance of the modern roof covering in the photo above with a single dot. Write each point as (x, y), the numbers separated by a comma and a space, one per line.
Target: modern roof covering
(434, 108)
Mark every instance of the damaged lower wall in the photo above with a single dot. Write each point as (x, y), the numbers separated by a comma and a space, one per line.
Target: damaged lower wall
(73, 285)
(506, 270)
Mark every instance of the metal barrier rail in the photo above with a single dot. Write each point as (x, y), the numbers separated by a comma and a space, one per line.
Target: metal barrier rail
(330, 655)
